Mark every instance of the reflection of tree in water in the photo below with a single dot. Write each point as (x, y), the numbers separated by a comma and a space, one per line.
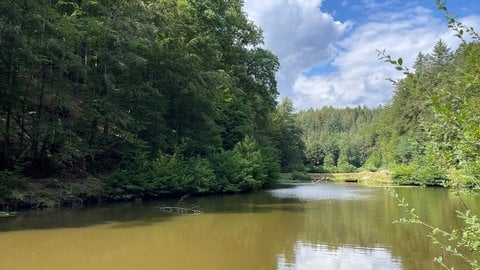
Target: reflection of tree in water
(367, 225)
(246, 231)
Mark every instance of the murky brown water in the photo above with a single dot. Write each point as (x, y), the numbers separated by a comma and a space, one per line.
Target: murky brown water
(322, 226)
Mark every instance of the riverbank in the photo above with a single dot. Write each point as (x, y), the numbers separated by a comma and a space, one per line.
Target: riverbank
(53, 192)
(247, 231)
(364, 177)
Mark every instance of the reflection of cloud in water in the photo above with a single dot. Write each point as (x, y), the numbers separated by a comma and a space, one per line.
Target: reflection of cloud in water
(309, 257)
(312, 192)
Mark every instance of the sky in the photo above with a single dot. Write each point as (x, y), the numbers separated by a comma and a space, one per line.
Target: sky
(328, 48)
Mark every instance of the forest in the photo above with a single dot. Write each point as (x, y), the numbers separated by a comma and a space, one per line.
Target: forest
(118, 99)
(114, 100)
(427, 135)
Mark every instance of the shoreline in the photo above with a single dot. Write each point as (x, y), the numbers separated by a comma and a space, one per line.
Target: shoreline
(364, 177)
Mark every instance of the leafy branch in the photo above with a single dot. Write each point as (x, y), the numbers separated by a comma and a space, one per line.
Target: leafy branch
(455, 25)
(462, 243)
(397, 63)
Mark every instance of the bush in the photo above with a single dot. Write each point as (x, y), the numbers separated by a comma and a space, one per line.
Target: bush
(346, 168)
(374, 162)
(294, 167)
(246, 167)
(271, 166)
(179, 175)
(296, 175)
(419, 175)
(167, 175)
(10, 184)
(430, 175)
(316, 169)
(473, 170)
(329, 163)
(403, 175)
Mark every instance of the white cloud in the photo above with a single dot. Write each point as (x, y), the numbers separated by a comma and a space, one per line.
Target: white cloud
(298, 33)
(308, 256)
(362, 79)
(303, 36)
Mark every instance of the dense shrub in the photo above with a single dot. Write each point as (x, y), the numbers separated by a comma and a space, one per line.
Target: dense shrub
(246, 167)
(419, 175)
(346, 168)
(315, 169)
(329, 163)
(374, 162)
(10, 183)
(296, 175)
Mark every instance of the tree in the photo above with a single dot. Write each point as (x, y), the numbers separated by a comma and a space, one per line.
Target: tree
(332, 131)
(329, 163)
(288, 136)
(102, 87)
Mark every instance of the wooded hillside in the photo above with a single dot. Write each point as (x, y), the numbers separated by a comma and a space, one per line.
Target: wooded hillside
(429, 134)
(168, 96)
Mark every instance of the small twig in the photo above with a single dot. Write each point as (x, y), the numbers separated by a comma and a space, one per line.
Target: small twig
(182, 199)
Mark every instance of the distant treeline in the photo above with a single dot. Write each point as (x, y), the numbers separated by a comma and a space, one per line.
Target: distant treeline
(429, 134)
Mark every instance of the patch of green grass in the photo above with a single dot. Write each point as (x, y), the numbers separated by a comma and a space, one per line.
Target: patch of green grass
(365, 177)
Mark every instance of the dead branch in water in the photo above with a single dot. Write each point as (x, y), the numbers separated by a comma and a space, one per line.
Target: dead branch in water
(178, 210)
(180, 207)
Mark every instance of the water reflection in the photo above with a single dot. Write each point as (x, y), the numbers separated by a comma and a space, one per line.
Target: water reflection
(300, 227)
(309, 192)
(310, 257)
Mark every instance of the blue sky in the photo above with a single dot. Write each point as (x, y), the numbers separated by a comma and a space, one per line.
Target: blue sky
(328, 49)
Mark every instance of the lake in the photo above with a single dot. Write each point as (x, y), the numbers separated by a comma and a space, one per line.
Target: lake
(305, 226)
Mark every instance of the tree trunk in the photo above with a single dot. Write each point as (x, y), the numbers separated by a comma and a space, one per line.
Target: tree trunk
(38, 113)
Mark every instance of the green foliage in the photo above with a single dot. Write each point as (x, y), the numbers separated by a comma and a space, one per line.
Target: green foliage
(329, 163)
(315, 169)
(246, 167)
(343, 165)
(89, 85)
(446, 83)
(408, 150)
(167, 175)
(303, 176)
(425, 170)
(178, 175)
(373, 162)
(419, 175)
(236, 168)
(287, 138)
(463, 243)
(328, 132)
(10, 183)
(403, 174)
(432, 124)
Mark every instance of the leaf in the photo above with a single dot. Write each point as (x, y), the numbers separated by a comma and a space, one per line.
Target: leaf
(400, 61)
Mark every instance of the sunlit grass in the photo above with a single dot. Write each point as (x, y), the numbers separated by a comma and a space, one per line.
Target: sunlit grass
(365, 177)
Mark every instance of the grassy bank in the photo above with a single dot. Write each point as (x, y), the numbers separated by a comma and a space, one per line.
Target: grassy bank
(365, 177)
(44, 193)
